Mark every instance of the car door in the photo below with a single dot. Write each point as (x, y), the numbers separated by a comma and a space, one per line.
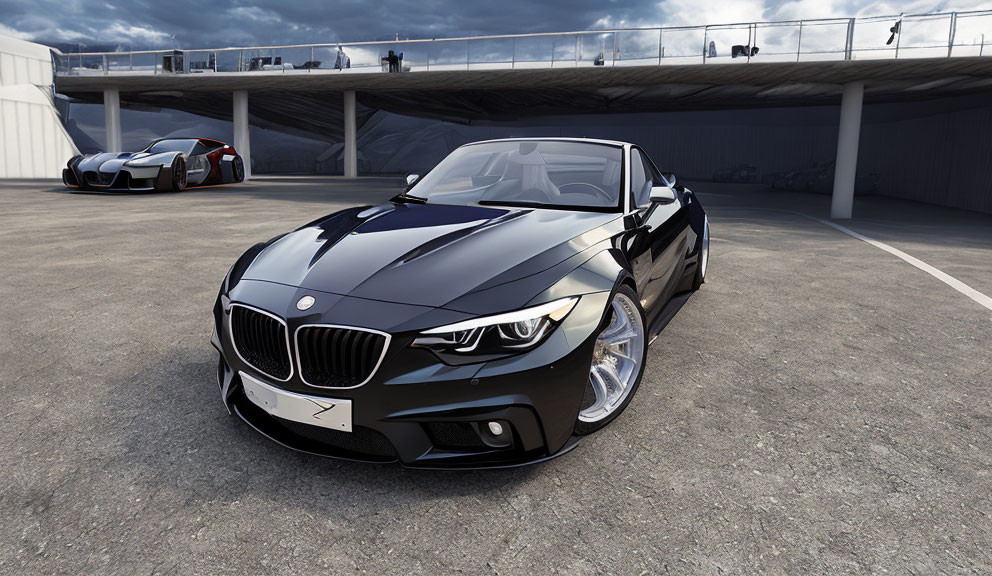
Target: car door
(663, 229)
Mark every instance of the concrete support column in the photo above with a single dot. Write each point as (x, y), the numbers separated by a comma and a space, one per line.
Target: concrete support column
(846, 167)
(242, 137)
(112, 118)
(350, 136)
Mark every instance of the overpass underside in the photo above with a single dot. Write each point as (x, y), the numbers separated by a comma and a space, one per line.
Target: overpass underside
(317, 105)
(307, 103)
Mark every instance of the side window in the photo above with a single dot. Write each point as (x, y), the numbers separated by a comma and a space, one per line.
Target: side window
(654, 173)
(639, 179)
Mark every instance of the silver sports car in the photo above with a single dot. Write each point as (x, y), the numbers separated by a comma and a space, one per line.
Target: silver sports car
(166, 164)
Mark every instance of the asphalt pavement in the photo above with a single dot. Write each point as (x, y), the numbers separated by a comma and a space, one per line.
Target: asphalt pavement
(819, 406)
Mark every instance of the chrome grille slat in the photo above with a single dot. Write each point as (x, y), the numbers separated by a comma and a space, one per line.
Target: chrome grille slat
(332, 356)
(261, 341)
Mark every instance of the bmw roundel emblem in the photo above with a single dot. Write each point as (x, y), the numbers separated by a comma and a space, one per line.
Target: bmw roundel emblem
(305, 303)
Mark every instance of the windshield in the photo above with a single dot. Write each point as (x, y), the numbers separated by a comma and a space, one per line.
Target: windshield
(185, 146)
(549, 173)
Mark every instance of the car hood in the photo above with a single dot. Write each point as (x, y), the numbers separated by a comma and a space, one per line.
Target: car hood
(112, 161)
(426, 254)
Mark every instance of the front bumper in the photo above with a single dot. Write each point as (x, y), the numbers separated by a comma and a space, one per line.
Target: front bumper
(127, 179)
(415, 409)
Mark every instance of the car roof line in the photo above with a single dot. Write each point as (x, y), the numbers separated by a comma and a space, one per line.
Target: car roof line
(555, 139)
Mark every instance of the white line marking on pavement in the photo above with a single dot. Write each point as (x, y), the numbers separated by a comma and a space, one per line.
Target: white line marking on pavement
(942, 276)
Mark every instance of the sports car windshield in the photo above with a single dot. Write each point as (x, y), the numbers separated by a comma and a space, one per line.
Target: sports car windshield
(185, 146)
(554, 174)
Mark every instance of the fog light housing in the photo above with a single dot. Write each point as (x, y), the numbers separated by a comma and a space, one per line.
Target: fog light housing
(495, 433)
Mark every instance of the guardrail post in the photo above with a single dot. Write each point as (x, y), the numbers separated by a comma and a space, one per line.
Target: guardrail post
(752, 39)
(950, 37)
(898, 38)
(849, 42)
(705, 33)
(104, 64)
(799, 44)
(513, 53)
(661, 45)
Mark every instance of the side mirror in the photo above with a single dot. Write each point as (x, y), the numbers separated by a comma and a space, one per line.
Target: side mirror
(662, 195)
(669, 177)
(412, 179)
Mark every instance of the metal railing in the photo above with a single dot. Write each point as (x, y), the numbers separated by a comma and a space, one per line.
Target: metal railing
(946, 34)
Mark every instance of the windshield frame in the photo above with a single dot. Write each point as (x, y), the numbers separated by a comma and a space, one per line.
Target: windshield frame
(622, 200)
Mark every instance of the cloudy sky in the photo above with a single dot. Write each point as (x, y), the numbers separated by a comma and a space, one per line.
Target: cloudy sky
(137, 24)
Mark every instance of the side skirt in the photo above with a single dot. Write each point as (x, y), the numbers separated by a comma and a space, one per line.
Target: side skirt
(662, 320)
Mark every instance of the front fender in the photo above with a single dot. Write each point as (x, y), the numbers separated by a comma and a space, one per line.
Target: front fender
(601, 273)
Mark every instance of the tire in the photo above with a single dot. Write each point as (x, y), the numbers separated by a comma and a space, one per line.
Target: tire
(596, 411)
(178, 174)
(238, 169)
(704, 256)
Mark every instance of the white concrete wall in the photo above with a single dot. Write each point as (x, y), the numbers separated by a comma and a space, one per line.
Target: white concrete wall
(33, 142)
(23, 62)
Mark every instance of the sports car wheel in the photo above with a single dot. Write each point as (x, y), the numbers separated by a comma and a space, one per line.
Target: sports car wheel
(178, 174)
(238, 169)
(704, 256)
(617, 363)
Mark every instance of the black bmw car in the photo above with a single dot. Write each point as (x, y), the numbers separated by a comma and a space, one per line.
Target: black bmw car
(491, 315)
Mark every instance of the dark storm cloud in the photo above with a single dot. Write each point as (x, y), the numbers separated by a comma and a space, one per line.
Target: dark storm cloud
(106, 24)
(202, 23)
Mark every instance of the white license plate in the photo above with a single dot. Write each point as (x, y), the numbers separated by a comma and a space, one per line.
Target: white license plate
(313, 410)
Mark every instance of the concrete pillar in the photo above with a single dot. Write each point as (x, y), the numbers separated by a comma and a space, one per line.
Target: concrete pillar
(112, 118)
(846, 167)
(350, 136)
(242, 136)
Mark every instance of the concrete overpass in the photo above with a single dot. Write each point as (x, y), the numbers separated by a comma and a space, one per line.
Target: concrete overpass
(503, 88)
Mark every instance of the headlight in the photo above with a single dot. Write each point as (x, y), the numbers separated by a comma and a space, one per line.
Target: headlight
(494, 336)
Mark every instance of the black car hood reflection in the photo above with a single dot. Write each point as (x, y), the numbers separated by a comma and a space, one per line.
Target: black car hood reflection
(427, 254)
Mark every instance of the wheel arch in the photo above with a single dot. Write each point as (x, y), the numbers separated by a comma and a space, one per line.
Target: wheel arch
(164, 181)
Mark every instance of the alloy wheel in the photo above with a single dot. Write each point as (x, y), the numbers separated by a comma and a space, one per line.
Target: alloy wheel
(705, 256)
(616, 360)
(179, 175)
